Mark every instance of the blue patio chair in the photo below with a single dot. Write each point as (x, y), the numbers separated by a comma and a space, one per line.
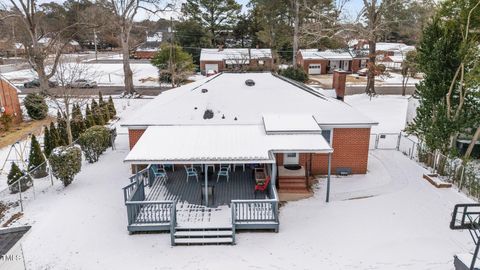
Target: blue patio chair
(224, 171)
(159, 172)
(191, 172)
(169, 166)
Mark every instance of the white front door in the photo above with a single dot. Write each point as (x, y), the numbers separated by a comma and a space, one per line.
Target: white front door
(212, 67)
(290, 159)
(314, 69)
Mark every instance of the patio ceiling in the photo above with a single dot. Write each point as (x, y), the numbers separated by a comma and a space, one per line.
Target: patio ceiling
(216, 144)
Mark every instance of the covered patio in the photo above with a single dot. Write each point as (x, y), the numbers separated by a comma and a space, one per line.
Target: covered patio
(170, 200)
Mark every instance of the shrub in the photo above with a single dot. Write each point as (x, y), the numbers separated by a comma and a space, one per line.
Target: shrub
(6, 121)
(36, 106)
(111, 107)
(295, 73)
(66, 162)
(94, 141)
(36, 159)
(16, 176)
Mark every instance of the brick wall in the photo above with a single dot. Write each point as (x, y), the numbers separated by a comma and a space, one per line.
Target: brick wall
(322, 62)
(350, 149)
(221, 66)
(9, 100)
(134, 135)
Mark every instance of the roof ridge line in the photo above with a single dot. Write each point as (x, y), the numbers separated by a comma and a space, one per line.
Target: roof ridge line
(301, 86)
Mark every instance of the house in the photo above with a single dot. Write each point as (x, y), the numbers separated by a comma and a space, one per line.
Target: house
(9, 102)
(218, 60)
(150, 47)
(316, 62)
(216, 153)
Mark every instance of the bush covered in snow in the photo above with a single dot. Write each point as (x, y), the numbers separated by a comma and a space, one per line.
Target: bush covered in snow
(66, 162)
(36, 106)
(94, 141)
(17, 179)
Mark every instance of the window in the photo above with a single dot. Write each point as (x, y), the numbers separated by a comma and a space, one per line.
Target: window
(327, 134)
(292, 155)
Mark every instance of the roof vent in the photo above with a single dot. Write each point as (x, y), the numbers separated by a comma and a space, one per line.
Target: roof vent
(250, 82)
(208, 114)
(204, 90)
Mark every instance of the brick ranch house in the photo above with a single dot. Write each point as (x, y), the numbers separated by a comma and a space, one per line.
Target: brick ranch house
(9, 102)
(225, 144)
(218, 60)
(316, 62)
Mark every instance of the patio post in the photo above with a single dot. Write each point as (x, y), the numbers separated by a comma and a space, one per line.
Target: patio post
(206, 184)
(328, 176)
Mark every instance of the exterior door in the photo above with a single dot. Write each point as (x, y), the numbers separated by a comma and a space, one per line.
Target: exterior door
(290, 159)
(314, 69)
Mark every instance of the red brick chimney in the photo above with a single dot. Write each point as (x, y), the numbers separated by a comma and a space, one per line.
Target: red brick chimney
(339, 80)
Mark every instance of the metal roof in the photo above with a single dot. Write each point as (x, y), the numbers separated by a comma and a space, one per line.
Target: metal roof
(218, 144)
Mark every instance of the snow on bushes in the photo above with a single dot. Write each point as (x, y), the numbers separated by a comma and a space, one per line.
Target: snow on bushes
(66, 162)
(94, 141)
(17, 180)
(36, 106)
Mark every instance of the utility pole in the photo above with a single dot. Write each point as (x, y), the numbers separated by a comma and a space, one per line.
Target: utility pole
(95, 43)
(171, 60)
(295, 31)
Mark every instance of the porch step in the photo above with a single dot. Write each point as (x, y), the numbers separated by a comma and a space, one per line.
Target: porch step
(203, 236)
(293, 184)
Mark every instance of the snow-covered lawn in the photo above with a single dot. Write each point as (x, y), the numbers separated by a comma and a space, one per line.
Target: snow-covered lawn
(387, 219)
(388, 110)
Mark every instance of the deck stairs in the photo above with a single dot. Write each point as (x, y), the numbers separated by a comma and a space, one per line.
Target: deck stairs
(204, 236)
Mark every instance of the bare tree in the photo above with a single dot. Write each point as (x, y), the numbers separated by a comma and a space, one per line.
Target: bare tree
(373, 12)
(64, 97)
(125, 12)
(324, 22)
(41, 41)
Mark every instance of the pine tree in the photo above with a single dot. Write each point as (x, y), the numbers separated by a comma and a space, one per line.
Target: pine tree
(47, 144)
(94, 104)
(36, 156)
(54, 137)
(104, 107)
(98, 116)
(77, 122)
(111, 107)
(89, 119)
(62, 129)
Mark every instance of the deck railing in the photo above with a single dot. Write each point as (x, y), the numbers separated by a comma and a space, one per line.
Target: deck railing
(146, 215)
(257, 214)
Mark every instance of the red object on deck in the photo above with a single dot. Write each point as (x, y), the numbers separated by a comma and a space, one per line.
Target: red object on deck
(264, 186)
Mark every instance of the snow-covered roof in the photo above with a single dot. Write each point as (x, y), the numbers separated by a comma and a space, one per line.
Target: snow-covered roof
(231, 102)
(290, 123)
(389, 46)
(395, 58)
(328, 54)
(234, 54)
(157, 37)
(219, 144)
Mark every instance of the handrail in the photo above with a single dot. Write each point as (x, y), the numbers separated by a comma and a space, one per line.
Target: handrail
(173, 223)
(148, 202)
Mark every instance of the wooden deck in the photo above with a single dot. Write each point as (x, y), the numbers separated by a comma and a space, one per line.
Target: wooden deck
(190, 210)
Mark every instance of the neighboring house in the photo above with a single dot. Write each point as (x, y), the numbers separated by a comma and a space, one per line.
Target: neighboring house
(316, 62)
(390, 54)
(218, 60)
(242, 136)
(150, 47)
(9, 102)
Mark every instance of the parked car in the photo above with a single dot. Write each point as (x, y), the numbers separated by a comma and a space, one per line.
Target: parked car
(363, 72)
(36, 83)
(83, 84)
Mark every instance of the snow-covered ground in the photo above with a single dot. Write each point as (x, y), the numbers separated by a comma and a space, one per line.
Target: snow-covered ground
(389, 111)
(387, 219)
(106, 74)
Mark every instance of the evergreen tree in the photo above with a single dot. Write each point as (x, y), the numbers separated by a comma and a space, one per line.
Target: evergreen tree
(98, 116)
(104, 107)
(111, 107)
(47, 144)
(15, 175)
(62, 129)
(77, 123)
(36, 156)
(89, 119)
(54, 137)
(36, 160)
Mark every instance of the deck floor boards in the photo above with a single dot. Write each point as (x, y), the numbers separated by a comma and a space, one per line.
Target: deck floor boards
(188, 195)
